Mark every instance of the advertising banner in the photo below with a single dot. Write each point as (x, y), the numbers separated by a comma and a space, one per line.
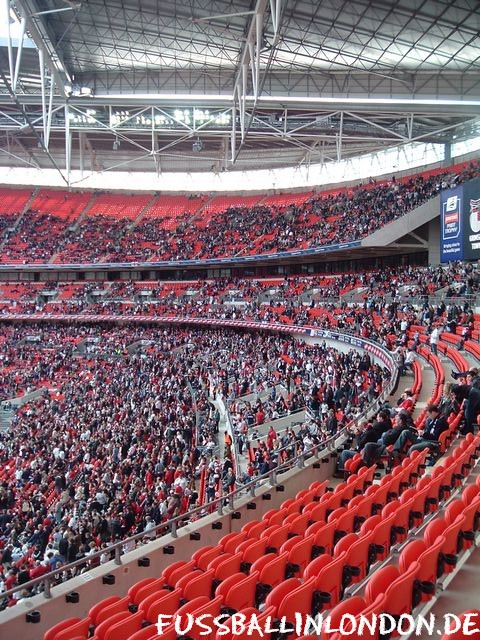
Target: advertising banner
(451, 227)
(460, 222)
(471, 234)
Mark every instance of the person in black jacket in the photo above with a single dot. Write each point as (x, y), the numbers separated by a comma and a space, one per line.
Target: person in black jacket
(435, 425)
(470, 393)
(373, 433)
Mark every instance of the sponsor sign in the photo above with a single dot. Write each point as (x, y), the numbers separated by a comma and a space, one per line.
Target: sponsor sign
(460, 222)
(471, 244)
(451, 247)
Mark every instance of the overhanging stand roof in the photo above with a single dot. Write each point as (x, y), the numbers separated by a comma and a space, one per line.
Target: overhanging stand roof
(225, 85)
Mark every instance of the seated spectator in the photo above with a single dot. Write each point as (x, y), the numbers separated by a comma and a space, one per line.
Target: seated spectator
(401, 422)
(374, 432)
(435, 425)
(406, 401)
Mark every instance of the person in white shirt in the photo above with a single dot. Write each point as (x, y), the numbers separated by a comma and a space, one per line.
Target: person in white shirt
(410, 358)
(434, 339)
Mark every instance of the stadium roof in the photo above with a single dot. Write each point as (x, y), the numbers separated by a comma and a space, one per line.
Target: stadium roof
(220, 85)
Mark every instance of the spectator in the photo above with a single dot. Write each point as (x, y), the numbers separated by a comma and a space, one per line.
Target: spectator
(435, 425)
(434, 339)
(470, 396)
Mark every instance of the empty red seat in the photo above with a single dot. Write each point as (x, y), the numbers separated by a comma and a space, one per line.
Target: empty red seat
(401, 521)
(254, 529)
(357, 608)
(324, 539)
(398, 589)
(124, 629)
(179, 569)
(166, 602)
(60, 626)
(79, 629)
(452, 534)
(109, 609)
(280, 592)
(210, 610)
(299, 524)
(328, 574)
(230, 542)
(202, 560)
(151, 633)
(102, 629)
(226, 567)
(299, 600)
(276, 536)
(199, 585)
(134, 589)
(299, 553)
(238, 591)
(359, 555)
(95, 610)
(383, 534)
(430, 559)
(153, 590)
(256, 549)
(272, 573)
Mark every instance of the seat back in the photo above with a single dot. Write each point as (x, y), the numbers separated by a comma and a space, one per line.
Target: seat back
(166, 602)
(329, 579)
(242, 594)
(60, 626)
(400, 596)
(273, 573)
(124, 629)
(351, 606)
(297, 602)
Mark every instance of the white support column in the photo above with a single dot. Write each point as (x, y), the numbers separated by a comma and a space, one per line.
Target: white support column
(255, 61)
(47, 80)
(339, 137)
(6, 10)
(18, 61)
(233, 134)
(410, 125)
(49, 113)
(81, 144)
(68, 144)
(275, 10)
(44, 101)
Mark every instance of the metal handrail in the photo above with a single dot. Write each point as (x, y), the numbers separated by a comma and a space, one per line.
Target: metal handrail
(171, 526)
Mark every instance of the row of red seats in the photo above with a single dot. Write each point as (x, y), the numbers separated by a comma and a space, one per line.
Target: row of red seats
(267, 546)
(422, 562)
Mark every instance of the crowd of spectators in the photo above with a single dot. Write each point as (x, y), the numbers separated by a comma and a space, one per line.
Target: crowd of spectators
(116, 444)
(334, 387)
(383, 305)
(320, 220)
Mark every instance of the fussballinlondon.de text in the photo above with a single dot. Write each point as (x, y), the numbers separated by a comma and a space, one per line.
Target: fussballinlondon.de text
(240, 624)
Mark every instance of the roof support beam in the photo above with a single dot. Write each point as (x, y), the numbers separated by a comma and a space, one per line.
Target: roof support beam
(29, 122)
(47, 83)
(39, 34)
(19, 53)
(6, 13)
(250, 61)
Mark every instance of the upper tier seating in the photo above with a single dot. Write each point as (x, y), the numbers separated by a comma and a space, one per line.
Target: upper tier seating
(132, 228)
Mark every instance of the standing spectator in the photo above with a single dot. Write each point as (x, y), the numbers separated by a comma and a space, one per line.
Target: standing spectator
(471, 397)
(434, 339)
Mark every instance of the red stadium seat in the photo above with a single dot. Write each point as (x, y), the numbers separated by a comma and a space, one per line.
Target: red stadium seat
(64, 624)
